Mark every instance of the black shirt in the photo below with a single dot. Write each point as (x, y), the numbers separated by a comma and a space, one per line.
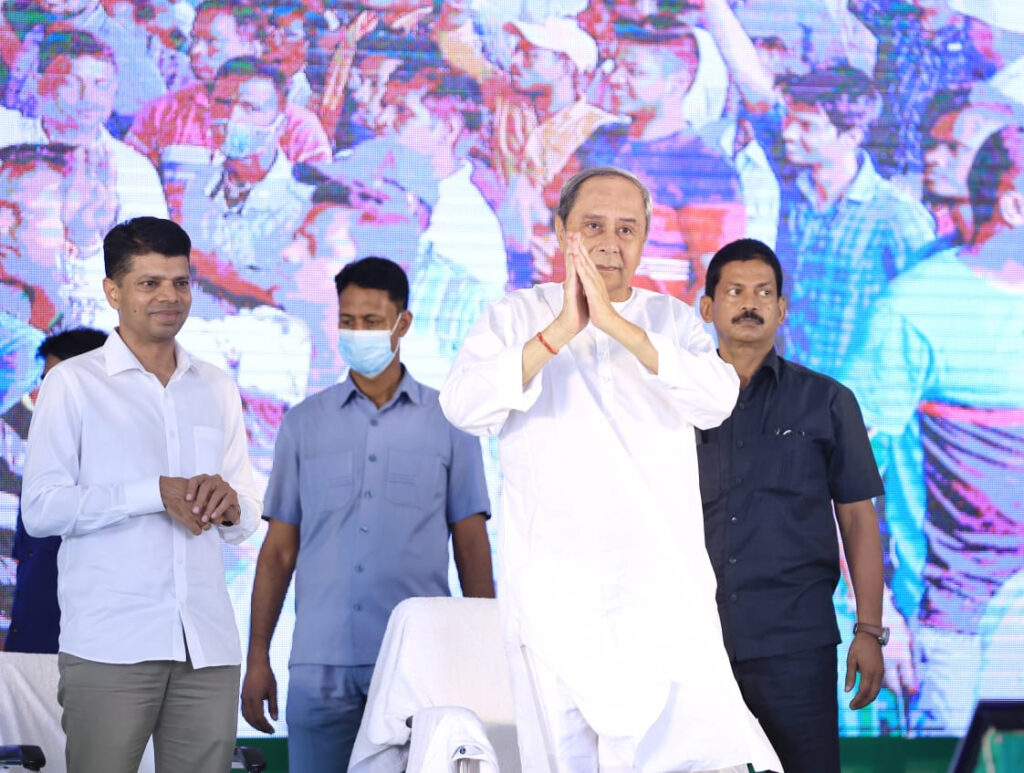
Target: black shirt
(795, 443)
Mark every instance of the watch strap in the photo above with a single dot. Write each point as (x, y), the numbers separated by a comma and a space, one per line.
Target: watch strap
(881, 633)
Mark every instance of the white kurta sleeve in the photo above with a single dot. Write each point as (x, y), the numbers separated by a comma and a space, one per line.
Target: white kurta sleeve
(486, 382)
(703, 384)
(53, 504)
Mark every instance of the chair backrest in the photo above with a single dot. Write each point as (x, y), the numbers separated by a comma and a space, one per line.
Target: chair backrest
(29, 711)
(436, 652)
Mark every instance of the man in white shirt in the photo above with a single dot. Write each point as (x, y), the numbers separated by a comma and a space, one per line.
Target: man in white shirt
(241, 212)
(614, 641)
(137, 458)
(78, 80)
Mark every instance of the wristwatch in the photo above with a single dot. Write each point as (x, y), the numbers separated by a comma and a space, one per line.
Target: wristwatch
(879, 632)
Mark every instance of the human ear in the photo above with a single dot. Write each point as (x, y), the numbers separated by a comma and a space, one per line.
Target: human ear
(1011, 208)
(705, 308)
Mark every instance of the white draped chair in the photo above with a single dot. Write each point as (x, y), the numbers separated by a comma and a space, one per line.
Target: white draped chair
(440, 699)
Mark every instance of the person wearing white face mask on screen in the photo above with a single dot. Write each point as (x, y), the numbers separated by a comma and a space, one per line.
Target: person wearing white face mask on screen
(241, 212)
(368, 481)
(244, 207)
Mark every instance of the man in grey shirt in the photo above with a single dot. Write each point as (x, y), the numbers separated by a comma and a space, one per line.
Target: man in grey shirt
(369, 479)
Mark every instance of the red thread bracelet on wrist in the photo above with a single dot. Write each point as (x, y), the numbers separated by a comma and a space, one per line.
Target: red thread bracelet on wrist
(540, 337)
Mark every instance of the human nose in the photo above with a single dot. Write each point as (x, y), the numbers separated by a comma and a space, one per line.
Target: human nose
(166, 292)
(605, 243)
(748, 299)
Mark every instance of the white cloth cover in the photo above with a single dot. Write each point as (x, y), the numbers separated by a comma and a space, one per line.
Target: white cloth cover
(442, 736)
(436, 652)
(29, 712)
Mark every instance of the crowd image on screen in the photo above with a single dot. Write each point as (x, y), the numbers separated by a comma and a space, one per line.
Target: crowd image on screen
(874, 144)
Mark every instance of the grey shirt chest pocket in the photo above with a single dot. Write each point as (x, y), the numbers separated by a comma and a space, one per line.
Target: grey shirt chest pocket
(332, 478)
(412, 479)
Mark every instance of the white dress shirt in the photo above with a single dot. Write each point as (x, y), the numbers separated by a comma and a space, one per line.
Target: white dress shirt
(133, 584)
(606, 577)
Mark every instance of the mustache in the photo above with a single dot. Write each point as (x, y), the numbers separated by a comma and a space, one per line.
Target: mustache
(750, 314)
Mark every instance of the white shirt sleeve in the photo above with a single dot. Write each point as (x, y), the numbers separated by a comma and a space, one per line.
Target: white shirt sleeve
(139, 191)
(486, 382)
(703, 384)
(53, 504)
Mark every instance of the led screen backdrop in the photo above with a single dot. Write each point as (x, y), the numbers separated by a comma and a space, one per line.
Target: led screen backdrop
(289, 138)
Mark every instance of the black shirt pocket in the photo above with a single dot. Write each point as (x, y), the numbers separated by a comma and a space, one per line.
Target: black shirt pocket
(795, 465)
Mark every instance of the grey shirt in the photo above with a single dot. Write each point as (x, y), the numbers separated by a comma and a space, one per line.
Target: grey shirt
(374, 492)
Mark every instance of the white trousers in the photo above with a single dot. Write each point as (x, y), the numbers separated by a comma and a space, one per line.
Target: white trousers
(554, 736)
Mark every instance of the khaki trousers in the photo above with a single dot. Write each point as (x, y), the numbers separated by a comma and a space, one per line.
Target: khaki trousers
(111, 710)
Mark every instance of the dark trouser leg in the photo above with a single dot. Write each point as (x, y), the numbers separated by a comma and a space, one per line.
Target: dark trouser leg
(794, 698)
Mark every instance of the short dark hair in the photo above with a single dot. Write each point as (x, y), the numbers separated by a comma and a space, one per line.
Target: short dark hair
(250, 67)
(312, 21)
(741, 250)
(141, 236)
(999, 161)
(942, 103)
(846, 94)
(655, 30)
(375, 273)
(332, 192)
(73, 44)
(71, 343)
(248, 18)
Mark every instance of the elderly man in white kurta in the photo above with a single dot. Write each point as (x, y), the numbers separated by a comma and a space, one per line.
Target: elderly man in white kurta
(594, 388)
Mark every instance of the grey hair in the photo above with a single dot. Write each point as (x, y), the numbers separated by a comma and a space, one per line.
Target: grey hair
(571, 190)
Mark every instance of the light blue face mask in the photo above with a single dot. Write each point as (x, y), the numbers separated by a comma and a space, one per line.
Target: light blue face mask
(368, 352)
(244, 140)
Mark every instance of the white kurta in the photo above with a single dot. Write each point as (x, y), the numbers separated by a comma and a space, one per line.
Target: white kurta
(605, 574)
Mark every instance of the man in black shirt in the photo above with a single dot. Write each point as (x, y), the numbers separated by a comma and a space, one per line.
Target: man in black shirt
(794, 452)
